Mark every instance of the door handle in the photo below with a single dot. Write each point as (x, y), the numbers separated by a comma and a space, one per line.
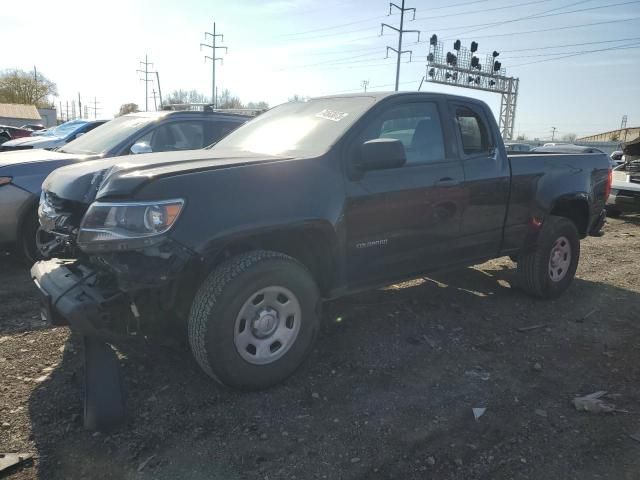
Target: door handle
(446, 182)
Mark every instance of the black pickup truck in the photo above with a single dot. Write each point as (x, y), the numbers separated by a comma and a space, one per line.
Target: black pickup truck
(238, 244)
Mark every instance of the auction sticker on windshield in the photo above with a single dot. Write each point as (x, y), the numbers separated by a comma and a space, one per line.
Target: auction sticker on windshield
(331, 115)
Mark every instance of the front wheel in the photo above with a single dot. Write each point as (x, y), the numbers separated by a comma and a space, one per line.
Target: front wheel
(254, 320)
(548, 270)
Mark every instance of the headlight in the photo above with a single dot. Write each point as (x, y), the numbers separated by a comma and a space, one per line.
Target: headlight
(132, 225)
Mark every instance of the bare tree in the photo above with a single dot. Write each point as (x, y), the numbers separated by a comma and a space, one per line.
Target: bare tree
(227, 100)
(569, 137)
(298, 98)
(258, 105)
(186, 96)
(18, 86)
(128, 108)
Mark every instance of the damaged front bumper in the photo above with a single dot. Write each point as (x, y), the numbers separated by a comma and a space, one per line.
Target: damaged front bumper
(70, 295)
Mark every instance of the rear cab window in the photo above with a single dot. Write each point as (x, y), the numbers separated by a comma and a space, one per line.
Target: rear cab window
(474, 132)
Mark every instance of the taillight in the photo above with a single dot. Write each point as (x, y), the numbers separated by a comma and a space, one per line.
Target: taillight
(607, 190)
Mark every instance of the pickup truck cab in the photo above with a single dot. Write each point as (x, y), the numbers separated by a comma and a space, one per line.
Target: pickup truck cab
(237, 245)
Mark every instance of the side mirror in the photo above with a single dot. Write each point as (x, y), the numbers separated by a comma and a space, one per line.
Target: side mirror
(381, 154)
(140, 147)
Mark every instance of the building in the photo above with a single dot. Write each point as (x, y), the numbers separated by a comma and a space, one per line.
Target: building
(16, 115)
(618, 136)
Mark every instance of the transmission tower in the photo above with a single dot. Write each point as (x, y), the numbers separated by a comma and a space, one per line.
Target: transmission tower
(365, 84)
(146, 81)
(400, 31)
(214, 36)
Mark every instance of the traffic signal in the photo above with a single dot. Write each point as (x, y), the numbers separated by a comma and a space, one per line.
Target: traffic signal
(452, 59)
(474, 47)
(475, 62)
(456, 45)
(497, 66)
(430, 57)
(432, 72)
(495, 54)
(434, 40)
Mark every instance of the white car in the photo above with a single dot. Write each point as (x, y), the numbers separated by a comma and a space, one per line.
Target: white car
(53, 137)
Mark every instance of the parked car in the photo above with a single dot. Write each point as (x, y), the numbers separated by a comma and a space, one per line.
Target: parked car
(512, 147)
(33, 127)
(625, 191)
(238, 244)
(53, 137)
(9, 133)
(24, 171)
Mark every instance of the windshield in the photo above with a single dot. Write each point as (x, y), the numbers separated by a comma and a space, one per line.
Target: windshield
(65, 129)
(107, 136)
(298, 128)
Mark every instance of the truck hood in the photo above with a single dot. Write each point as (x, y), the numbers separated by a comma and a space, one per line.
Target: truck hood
(119, 177)
(35, 142)
(20, 157)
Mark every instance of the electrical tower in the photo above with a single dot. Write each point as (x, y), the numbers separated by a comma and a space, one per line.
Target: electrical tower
(400, 31)
(365, 84)
(623, 126)
(464, 69)
(213, 59)
(146, 81)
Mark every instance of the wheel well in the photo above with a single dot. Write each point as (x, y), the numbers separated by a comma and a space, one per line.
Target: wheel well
(575, 210)
(312, 247)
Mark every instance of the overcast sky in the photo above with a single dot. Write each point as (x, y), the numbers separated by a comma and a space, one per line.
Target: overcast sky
(282, 47)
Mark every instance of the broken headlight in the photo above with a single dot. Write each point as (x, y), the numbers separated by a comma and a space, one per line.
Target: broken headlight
(127, 225)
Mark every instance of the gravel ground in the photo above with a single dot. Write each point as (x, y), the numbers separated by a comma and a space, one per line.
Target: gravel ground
(387, 393)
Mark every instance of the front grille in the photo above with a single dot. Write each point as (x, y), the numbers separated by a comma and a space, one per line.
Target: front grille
(59, 215)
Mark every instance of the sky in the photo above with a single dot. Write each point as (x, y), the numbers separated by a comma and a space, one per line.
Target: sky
(278, 48)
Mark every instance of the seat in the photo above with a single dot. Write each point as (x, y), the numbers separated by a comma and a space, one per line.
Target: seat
(426, 144)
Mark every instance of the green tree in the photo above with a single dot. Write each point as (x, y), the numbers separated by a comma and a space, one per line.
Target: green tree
(18, 86)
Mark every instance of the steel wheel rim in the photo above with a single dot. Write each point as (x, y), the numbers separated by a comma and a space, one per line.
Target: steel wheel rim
(559, 259)
(267, 325)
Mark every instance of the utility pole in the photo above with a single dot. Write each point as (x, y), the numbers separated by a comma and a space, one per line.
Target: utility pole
(213, 59)
(79, 105)
(146, 81)
(365, 84)
(155, 105)
(400, 31)
(60, 111)
(35, 83)
(553, 133)
(67, 102)
(159, 89)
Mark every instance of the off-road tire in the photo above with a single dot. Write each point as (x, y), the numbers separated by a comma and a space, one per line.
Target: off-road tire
(533, 266)
(103, 398)
(219, 300)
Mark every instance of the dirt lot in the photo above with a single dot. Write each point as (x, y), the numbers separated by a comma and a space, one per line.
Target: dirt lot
(388, 392)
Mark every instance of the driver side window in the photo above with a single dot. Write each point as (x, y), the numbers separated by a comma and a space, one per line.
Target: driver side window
(417, 126)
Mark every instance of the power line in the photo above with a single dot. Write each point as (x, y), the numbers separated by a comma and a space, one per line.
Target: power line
(545, 14)
(400, 32)
(584, 52)
(569, 45)
(340, 25)
(552, 29)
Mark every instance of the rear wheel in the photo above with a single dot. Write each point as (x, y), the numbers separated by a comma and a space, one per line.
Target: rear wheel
(548, 270)
(254, 320)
